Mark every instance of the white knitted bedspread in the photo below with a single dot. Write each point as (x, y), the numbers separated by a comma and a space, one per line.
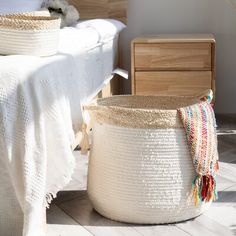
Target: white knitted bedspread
(35, 124)
(40, 108)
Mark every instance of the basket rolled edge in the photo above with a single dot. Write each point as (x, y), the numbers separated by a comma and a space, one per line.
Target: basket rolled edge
(136, 111)
(143, 111)
(30, 21)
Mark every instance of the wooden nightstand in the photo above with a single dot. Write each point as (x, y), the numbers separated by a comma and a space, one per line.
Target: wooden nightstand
(173, 64)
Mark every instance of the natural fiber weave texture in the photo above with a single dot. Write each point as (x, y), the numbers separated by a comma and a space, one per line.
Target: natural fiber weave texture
(140, 111)
(141, 175)
(29, 34)
(31, 13)
(140, 168)
(29, 22)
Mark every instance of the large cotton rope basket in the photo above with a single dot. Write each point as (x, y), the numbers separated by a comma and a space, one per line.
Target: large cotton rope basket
(29, 34)
(140, 167)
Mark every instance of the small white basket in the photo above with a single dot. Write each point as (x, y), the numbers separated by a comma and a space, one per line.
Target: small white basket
(34, 33)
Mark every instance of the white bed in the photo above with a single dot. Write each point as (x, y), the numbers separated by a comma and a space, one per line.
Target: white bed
(40, 112)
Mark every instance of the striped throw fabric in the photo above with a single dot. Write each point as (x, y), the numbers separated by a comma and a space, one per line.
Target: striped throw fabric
(200, 127)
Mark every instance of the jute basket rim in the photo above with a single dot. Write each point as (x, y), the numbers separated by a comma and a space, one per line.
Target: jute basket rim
(140, 111)
(29, 17)
(29, 21)
(29, 13)
(115, 102)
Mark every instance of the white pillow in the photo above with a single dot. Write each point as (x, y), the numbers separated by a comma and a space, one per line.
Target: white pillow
(12, 6)
(106, 28)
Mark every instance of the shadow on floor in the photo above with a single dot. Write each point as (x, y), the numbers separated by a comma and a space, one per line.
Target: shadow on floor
(226, 134)
(77, 206)
(226, 197)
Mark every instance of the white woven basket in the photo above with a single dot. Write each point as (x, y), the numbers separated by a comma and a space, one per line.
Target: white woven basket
(140, 167)
(29, 34)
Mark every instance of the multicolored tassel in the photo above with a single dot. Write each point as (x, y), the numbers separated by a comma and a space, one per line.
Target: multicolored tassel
(204, 189)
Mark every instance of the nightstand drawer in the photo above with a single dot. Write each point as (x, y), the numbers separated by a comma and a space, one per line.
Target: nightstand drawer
(172, 56)
(172, 82)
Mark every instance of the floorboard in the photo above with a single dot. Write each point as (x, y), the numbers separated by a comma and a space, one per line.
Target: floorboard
(80, 209)
(60, 224)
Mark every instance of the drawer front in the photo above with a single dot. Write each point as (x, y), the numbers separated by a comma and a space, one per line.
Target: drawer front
(172, 83)
(172, 56)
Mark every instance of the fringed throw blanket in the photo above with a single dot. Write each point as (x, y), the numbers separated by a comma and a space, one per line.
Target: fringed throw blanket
(200, 127)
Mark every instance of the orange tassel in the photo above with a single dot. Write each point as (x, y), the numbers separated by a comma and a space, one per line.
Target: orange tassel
(216, 166)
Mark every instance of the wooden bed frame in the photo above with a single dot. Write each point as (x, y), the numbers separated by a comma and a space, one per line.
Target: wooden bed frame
(90, 9)
(114, 9)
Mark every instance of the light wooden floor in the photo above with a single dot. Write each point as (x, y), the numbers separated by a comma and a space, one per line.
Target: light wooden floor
(72, 214)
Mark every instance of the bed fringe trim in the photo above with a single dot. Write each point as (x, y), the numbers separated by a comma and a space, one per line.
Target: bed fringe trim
(52, 194)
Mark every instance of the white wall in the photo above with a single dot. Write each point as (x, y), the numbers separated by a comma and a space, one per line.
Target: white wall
(189, 16)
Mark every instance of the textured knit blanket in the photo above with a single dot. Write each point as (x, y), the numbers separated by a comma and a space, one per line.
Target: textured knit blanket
(200, 127)
(40, 110)
(36, 131)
